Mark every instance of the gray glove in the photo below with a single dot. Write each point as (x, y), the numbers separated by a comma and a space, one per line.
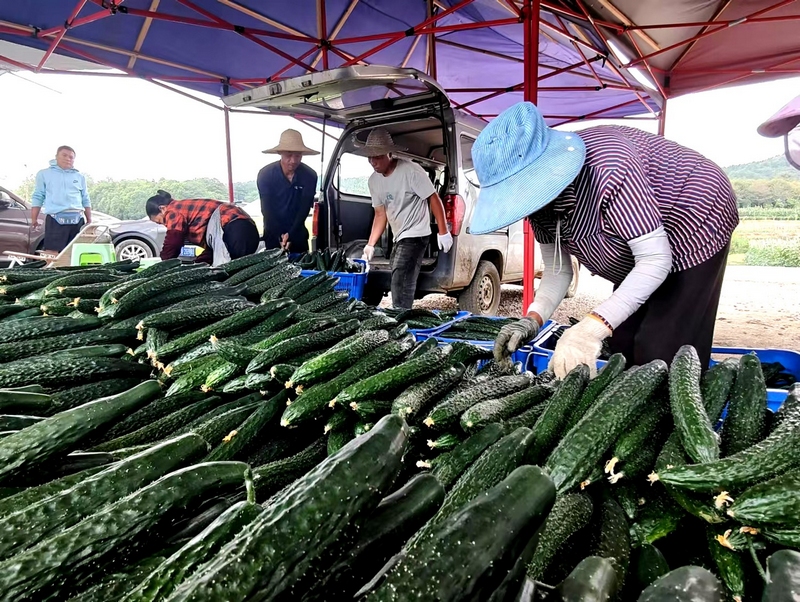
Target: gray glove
(513, 336)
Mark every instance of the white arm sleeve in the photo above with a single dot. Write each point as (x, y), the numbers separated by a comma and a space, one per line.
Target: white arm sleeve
(653, 262)
(554, 282)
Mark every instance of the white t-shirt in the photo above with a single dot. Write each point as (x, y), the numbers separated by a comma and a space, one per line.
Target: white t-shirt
(404, 193)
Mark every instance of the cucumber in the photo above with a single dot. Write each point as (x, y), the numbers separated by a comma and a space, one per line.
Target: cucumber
(86, 277)
(214, 428)
(420, 396)
(333, 362)
(790, 407)
(156, 409)
(491, 467)
(481, 538)
(684, 584)
(383, 534)
(775, 501)
(34, 494)
(729, 564)
(16, 422)
(689, 415)
(745, 423)
(35, 404)
(162, 581)
(213, 309)
(445, 442)
(79, 549)
(274, 476)
(593, 580)
(276, 448)
(369, 410)
(257, 561)
(243, 438)
(61, 433)
(612, 538)
(35, 523)
(220, 376)
(548, 428)
(60, 370)
(37, 328)
(284, 351)
(265, 265)
(715, 387)
(497, 410)
(646, 429)
(77, 396)
(116, 584)
(527, 418)
(233, 352)
(312, 404)
(281, 373)
(323, 302)
(647, 565)
(570, 513)
(87, 291)
(195, 376)
(338, 438)
(584, 446)
(783, 576)
(607, 374)
(447, 412)
(271, 287)
(659, 517)
(236, 265)
(25, 288)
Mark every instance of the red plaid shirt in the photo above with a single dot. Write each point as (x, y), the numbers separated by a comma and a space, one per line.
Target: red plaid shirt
(187, 221)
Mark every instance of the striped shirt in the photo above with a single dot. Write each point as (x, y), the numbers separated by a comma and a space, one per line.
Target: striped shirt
(631, 183)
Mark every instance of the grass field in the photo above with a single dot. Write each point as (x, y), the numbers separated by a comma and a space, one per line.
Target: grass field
(765, 242)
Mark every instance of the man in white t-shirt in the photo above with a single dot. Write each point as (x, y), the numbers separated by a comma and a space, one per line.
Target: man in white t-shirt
(402, 195)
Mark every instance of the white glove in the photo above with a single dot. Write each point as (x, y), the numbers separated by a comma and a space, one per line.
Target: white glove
(369, 253)
(580, 344)
(445, 242)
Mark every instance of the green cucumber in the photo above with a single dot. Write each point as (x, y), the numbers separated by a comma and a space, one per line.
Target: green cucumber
(214, 428)
(313, 403)
(325, 301)
(417, 398)
(491, 467)
(117, 584)
(236, 265)
(688, 412)
(281, 373)
(171, 319)
(16, 422)
(257, 562)
(163, 427)
(715, 387)
(271, 286)
(195, 376)
(35, 523)
(658, 518)
(162, 581)
(607, 374)
(274, 476)
(383, 534)
(448, 467)
(646, 429)
(32, 495)
(729, 564)
(498, 410)
(684, 584)
(25, 288)
(647, 565)
(78, 550)
(446, 442)
(77, 396)
(37, 328)
(220, 376)
(481, 539)
(783, 576)
(549, 427)
(87, 291)
(593, 580)
(583, 447)
(612, 538)
(369, 410)
(790, 407)
(35, 404)
(333, 362)
(775, 501)
(448, 411)
(234, 352)
(528, 418)
(570, 513)
(243, 438)
(60, 370)
(63, 432)
(338, 438)
(156, 409)
(265, 266)
(745, 423)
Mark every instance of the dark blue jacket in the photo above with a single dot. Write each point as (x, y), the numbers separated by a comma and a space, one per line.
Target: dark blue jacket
(285, 205)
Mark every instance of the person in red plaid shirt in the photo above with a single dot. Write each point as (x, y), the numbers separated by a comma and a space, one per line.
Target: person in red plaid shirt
(224, 230)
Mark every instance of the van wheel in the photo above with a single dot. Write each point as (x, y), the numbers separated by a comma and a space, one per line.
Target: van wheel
(573, 286)
(482, 296)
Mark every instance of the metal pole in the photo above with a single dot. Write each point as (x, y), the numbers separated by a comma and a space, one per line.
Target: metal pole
(662, 119)
(226, 111)
(531, 55)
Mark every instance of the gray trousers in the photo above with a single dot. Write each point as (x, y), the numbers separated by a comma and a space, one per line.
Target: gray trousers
(406, 261)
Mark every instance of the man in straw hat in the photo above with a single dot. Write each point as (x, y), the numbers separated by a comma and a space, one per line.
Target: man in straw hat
(287, 188)
(401, 195)
(653, 217)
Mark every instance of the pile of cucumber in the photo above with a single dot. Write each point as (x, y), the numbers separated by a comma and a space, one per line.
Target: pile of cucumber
(229, 441)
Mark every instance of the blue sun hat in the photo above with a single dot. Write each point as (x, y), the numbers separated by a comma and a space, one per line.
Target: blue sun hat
(522, 165)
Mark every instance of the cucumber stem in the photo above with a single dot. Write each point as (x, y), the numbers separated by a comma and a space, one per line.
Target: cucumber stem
(753, 554)
(250, 486)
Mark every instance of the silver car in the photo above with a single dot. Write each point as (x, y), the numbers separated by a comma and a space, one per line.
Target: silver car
(134, 238)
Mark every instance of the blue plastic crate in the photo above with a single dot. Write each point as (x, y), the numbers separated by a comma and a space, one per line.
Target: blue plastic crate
(424, 333)
(352, 283)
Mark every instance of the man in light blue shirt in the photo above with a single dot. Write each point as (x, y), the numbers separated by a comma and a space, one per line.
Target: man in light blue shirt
(61, 191)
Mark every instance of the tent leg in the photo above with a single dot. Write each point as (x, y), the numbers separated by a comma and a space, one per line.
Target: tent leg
(531, 14)
(227, 113)
(662, 119)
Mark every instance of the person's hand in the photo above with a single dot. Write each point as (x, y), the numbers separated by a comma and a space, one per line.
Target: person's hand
(580, 344)
(369, 253)
(285, 242)
(445, 242)
(36, 226)
(513, 336)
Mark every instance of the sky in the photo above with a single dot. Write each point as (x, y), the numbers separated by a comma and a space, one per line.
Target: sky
(127, 128)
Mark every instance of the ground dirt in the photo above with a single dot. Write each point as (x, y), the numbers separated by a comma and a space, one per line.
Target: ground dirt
(759, 308)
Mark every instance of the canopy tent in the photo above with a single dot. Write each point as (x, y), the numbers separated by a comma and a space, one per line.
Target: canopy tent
(598, 59)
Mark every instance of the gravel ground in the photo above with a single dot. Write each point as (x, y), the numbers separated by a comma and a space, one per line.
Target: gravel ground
(759, 307)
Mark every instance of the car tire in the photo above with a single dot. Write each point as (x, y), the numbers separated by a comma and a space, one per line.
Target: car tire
(573, 286)
(133, 248)
(482, 296)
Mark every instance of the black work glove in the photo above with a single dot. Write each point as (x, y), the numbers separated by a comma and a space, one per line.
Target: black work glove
(513, 336)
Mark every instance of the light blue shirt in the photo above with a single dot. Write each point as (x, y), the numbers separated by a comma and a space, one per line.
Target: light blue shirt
(60, 190)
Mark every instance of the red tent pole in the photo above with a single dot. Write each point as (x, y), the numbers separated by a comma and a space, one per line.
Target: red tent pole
(662, 119)
(226, 111)
(531, 53)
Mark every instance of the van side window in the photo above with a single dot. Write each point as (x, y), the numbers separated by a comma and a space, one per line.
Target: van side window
(352, 175)
(466, 162)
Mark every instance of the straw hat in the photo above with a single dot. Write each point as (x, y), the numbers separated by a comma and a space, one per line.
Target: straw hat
(379, 142)
(291, 142)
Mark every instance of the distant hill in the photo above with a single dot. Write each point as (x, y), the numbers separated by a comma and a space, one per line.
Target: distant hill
(774, 168)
